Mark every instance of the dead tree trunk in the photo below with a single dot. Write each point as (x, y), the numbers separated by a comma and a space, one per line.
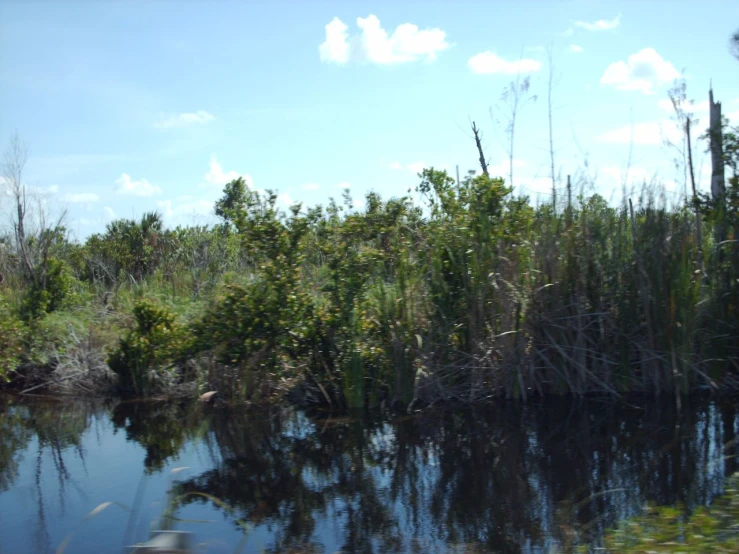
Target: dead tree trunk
(483, 163)
(15, 160)
(718, 182)
(696, 207)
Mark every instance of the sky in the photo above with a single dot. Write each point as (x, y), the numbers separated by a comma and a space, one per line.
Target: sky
(129, 107)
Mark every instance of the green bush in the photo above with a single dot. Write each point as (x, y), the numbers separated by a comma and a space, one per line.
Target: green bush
(49, 289)
(11, 341)
(144, 358)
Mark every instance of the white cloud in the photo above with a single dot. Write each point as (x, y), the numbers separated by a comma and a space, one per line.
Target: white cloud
(53, 189)
(200, 117)
(643, 71)
(310, 186)
(285, 199)
(109, 213)
(503, 168)
(344, 185)
(217, 177)
(651, 133)
(486, 63)
(81, 198)
(576, 48)
(665, 104)
(568, 33)
(335, 48)
(185, 208)
(372, 44)
(416, 167)
(614, 175)
(125, 185)
(600, 25)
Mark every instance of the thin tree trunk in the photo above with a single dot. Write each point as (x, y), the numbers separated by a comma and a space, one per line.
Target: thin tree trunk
(698, 219)
(483, 163)
(718, 182)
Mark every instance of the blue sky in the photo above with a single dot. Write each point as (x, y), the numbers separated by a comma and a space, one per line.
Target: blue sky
(135, 106)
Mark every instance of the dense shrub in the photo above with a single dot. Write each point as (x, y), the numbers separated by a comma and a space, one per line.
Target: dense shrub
(50, 287)
(11, 340)
(144, 358)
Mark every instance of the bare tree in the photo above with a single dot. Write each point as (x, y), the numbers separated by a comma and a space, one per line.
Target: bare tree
(478, 142)
(515, 95)
(685, 121)
(33, 242)
(682, 113)
(15, 159)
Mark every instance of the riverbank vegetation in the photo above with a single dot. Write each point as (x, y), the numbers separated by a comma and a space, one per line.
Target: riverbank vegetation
(469, 294)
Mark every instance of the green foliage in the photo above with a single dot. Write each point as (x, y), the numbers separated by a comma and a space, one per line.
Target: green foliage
(670, 529)
(50, 287)
(11, 340)
(144, 357)
(476, 294)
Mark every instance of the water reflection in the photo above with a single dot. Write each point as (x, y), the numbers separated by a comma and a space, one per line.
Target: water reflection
(506, 479)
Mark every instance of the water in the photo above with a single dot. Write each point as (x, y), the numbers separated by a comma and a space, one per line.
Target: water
(509, 479)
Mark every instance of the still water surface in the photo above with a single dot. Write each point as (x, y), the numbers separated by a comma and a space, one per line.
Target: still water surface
(510, 479)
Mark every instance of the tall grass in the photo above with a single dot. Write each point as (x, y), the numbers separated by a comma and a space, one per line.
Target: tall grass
(473, 295)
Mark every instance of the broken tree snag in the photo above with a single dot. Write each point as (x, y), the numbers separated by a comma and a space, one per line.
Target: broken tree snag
(483, 163)
(698, 220)
(718, 183)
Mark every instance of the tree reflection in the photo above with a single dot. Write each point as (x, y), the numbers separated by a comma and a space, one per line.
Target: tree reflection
(57, 428)
(161, 428)
(14, 436)
(509, 479)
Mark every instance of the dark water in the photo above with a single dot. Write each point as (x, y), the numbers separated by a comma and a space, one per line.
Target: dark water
(510, 479)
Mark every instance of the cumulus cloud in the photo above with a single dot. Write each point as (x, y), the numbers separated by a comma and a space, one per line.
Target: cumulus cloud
(576, 48)
(285, 199)
(642, 72)
(81, 198)
(614, 176)
(651, 133)
(109, 213)
(373, 44)
(486, 63)
(416, 167)
(185, 208)
(200, 117)
(600, 25)
(127, 186)
(503, 168)
(217, 177)
(665, 104)
(344, 185)
(335, 49)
